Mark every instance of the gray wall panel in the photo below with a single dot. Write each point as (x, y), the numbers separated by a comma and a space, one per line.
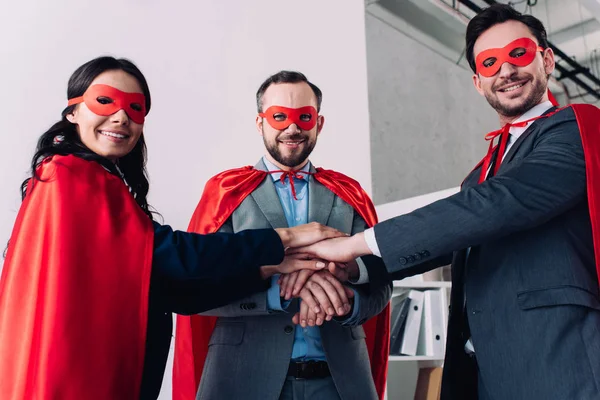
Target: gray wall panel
(427, 121)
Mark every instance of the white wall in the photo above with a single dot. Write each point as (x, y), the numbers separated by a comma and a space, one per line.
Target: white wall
(204, 61)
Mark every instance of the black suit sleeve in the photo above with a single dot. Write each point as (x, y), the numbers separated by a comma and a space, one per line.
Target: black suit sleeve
(528, 192)
(196, 272)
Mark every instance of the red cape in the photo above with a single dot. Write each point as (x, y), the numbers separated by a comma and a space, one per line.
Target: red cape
(74, 288)
(588, 120)
(222, 195)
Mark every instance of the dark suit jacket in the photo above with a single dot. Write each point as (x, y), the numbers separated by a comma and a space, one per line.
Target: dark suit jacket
(184, 280)
(532, 297)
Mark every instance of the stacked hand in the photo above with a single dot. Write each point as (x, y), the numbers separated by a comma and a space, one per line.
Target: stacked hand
(322, 293)
(337, 249)
(299, 236)
(292, 283)
(309, 249)
(307, 234)
(323, 297)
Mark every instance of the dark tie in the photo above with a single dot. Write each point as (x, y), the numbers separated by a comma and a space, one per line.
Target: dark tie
(497, 160)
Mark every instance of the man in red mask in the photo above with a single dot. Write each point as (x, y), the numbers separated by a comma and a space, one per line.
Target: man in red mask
(523, 234)
(339, 346)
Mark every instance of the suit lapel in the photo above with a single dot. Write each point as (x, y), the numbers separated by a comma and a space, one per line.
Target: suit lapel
(320, 200)
(513, 150)
(265, 196)
(533, 127)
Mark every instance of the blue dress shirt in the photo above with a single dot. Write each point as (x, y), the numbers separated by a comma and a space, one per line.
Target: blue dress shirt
(307, 341)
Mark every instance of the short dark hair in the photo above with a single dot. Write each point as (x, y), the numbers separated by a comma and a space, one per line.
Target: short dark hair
(497, 14)
(286, 77)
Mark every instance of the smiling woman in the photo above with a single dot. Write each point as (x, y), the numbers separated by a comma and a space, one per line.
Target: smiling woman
(90, 281)
(110, 120)
(79, 130)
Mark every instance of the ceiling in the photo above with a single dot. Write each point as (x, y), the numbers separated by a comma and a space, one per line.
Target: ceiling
(573, 27)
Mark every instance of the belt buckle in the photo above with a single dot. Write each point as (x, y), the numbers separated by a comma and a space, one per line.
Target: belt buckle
(307, 369)
(298, 370)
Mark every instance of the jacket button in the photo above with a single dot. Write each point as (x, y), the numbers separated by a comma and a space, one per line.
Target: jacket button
(251, 306)
(288, 329)
(244, 306)
(410, 259)
(425, 253)
(402, 261)
(417, 256)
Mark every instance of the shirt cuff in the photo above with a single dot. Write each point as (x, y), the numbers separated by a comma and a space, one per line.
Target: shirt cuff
(372, 242)
(363, 273)
(353, 318)
(273, 298)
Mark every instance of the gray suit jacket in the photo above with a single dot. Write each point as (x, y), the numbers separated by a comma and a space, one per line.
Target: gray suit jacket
(532, 298)
(250, 349)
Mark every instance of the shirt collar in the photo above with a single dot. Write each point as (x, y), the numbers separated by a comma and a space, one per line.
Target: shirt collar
(533, 112)
(277, 175)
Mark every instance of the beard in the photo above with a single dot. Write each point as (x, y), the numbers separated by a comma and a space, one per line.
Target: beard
(538, 89)
(297, 156)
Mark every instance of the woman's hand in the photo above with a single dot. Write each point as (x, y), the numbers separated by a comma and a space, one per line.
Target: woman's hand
(307, 234)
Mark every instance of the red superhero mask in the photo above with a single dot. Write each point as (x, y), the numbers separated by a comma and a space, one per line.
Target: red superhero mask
(520, 53)
(282, 117)
(106, 100)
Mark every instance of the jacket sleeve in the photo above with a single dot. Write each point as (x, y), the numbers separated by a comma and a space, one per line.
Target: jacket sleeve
(254, 304)
(200, 272)
(528, 192)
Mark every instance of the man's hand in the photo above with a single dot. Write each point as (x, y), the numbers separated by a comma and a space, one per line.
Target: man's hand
(307, 234)
(323, 297)
(290, 264)
(344, 271)
(308, 317)
(339, 249)
(291, 284)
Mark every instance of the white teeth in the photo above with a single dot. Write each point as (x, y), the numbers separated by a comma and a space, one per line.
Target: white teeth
(511, 88)
(113, 134)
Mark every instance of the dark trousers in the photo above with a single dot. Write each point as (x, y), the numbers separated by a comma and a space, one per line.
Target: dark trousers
(309, 389)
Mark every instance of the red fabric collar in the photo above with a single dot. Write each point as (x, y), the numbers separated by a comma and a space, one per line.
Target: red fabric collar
(504, 134)
(290, 175)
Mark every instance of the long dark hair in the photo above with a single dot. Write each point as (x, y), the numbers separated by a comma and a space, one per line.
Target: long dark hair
(62, 138)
